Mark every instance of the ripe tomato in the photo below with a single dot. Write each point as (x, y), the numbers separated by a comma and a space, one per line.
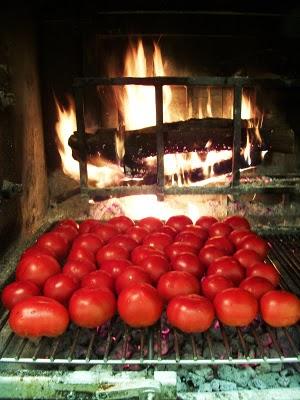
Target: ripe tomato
(55, 243)
(140, 305)
(37, 269)
(157, 240)
(111, 252)
(257, 244)
(237, 236)
(221, 242)
(155, 265)
(38, 316)
(151, 224)
(77, 269)
(280, 308)
(124, 241)
(141, 252)
(98, 279)
(257, 286)
(88, 241)
(105, 232)
(67, 222)
(206, 222)
(60, 287)
(210, 253)
(35, 251)
(176, 248)
(137, 233)
(17, 291)
(219, 229)
(196, 230)
(247, 258)
(115, 267)
(121, 223)
(213, 284)
(191, 313)
(227, 267)
(190, 239)
(179, 222)
(235, 307)
(88, 225)
(81, 254)
(265, 270)
(68, 232)
(236, 222)
(130, 276)
(188, 262)
(175, 283)
(89, 307)
(169, 230)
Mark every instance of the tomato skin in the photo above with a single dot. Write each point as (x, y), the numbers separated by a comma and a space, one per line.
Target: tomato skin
(15, 292)
(67, 231)
(210, 253)
(237, 222)
(280, 308)
(227, 267)
(257, 286)
(37, 269)
(137, 233)
(206, 222)
(67, 222)
(213, 284)
(196, 230)
(38, 316)
(264, 270)
(175, 283)
(115, 267)
(190, 239)
(257, 244)
(151, 224)
(237, 236)
(81, 254)
(130, 276)
(55, 243)
(169, 230)
(247, 258)
(35, 251)
(188, 262)
(111, 251)
(176, 248)
(88, 241)
(89, 307)
(191, 313)
(98, 279)
(124, 241)
(77, 269)
(155, 265)
(88, 225)
(141, 252)
(179, 222)
(219, 229)
(60, 287)
(221, 242)
(157, 240)
(105, 232)
(140, 305)
(121, 223)
(235, 307)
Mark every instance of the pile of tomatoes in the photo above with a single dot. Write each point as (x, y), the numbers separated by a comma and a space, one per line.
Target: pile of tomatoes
(87, 273)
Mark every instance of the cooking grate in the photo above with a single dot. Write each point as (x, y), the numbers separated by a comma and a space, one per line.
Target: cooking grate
(116, 343)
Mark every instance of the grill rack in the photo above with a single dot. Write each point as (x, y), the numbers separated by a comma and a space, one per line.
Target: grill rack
(118, 344)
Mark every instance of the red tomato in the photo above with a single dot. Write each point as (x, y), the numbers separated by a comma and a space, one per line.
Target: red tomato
(68, 222)
(219, 229)
(247, 258)
(121, 223)
(77, 269)
(111, 251)
(60, 287)
(196, 230)
(88, 225)
(179, 222)
(140, 305)
(81, 254)
(235, 307)
(190, 239)
(168, 230)
(264, 270)
(38, 316)
(221, 242)
(191, 313)
(151, 224)
(105, 232)
(18, 291)
(210, 253)
(130, 276)
(157, 240)
(280, 308)
(115, 267)
(89, 307)
(188, 262)
(257, 244)
(213, 284)
(55, 243)
(98, 279)
(88, 241)
(141, 252)
(237, 236)
(257, 286)
(227, 267)
(236, 222)
(37, 269)
(68, 232)
(175, 283)
(137, 233)
(155, 266)
(206, 222)
(35, 251)
(176, 248)
(124, 241)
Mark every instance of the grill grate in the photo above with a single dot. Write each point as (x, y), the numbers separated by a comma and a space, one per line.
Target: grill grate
(116, 343)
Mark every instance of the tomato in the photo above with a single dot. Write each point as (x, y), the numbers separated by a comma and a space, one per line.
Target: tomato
(77, 269)
(227, 267)
(265, 270)
(219, 229)
(236, 222)
(190, 239)
(140, 305)
(179, 222)
(191, 313)
(121, 223)
(98, 279)
(89, 307)
(257, 244)
(151, 224)
(280, 308)
(155, 265)
(37, 269)
(169, 230)
(105, 232)
(115, 267)
(175, 283)
(157, 240)
(137, 233)
(88, 225)
(60, 287)
(111, 251)
(35, 251)
(55, 243)
(176, 248)
(247, 258)
(235, 307)
(38, 316)
(131, 275)
(237, 236)
(206, 222)
(188, 262)
(67, 222)
(81, 254)
(221, 242)
(88, 241)
(68, 232)
(210, 253)
(18, 291)
(213, 284)
(141, 252)
(257, 286)
(196, 230)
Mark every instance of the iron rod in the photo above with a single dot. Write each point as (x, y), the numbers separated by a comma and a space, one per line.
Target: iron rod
(237, 132)
(72, 349)
(21, 348)
(55, 347)
(159, 137)
(90, 347)
(79, 103)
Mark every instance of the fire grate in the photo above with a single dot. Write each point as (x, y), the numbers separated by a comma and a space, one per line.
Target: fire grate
(116, 343)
